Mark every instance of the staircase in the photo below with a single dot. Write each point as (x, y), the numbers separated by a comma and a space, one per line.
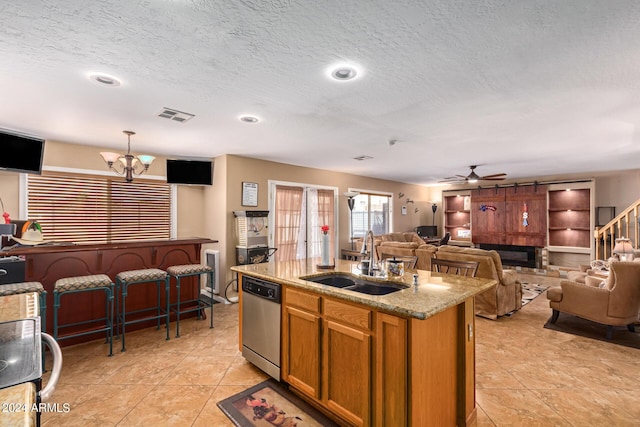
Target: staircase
(626, 224)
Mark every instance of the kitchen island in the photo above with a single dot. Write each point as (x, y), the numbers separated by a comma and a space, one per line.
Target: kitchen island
(405, 358)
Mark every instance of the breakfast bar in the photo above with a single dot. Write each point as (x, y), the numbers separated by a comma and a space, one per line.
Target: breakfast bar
(406, 357)
(49, 262)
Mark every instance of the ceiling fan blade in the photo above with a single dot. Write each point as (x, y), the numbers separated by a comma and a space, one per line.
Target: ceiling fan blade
(452, 180)
(495, 176)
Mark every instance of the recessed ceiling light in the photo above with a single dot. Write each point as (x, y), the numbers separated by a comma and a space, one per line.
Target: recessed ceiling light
(249, 119)
(343, 72)
(363, 157)
(104, 79)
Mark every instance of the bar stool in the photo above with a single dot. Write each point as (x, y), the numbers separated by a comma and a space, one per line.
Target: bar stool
(27, 287)
(180, 271)
(125, 279)
(69, 285)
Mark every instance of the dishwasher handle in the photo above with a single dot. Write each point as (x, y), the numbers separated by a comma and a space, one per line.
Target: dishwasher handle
(46, 393)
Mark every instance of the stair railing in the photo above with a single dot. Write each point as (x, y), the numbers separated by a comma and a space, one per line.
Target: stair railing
(626, 224)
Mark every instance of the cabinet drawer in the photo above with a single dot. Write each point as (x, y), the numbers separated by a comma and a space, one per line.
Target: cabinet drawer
(348, 314)
(304, 300)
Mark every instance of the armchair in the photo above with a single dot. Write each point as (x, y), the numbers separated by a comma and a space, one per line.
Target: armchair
(614, 301)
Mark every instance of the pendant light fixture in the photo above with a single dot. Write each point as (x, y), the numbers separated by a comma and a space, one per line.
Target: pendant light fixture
(128, 165)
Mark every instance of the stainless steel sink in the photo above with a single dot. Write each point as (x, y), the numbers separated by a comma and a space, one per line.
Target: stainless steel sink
(357, 284)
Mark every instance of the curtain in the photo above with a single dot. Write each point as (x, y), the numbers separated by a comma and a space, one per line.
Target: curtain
(299, 215)
(288, 218)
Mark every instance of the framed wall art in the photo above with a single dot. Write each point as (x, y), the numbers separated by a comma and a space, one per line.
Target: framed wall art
(249, 194)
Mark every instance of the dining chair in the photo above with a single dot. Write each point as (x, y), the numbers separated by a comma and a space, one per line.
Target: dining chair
(459, 268)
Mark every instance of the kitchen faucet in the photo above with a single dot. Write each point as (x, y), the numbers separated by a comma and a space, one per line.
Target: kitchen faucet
(372, 253)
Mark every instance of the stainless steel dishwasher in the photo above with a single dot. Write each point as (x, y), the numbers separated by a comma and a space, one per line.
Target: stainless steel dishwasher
(261, 324)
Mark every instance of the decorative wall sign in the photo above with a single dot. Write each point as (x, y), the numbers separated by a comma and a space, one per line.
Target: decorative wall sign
(249, 194)
(485, 208)
(525, 215)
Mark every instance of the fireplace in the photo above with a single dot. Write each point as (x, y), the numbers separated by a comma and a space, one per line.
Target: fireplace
(518, 256)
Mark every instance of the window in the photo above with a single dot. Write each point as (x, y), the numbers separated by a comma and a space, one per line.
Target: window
(300, 212)
(98, 209)
(371, 212)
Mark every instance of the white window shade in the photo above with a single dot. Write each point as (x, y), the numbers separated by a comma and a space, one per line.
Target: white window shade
(98, 209)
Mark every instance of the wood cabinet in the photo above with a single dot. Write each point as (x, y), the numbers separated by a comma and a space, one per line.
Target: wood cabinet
(497, 215)
(457, 216)
(301, 341)
(372, 368)
(488, 215)
(391, 371)
(327, 349)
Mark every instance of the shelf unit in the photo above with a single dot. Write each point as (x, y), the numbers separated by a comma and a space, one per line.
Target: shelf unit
(571, 221)
(457, 216)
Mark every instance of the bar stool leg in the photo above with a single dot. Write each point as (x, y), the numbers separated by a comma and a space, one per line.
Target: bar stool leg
(123, 315)
(56, 306)
(211, 302)
(178, 310)
(42, 296)
(158, 312)
(166, 290)
(109, 314)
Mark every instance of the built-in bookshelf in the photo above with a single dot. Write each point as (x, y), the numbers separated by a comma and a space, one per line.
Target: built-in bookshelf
(457, 216)
(571, 220)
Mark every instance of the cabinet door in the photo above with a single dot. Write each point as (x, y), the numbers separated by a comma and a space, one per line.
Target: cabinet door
(301, 351)
(347, 372)
(391, 371)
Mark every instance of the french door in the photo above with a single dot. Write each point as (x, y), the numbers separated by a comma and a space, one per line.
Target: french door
(299, 212)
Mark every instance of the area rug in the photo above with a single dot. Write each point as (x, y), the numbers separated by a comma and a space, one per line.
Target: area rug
(271, 404)
(585, 328)
(531, 291)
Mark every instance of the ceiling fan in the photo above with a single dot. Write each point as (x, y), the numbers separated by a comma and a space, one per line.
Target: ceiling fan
(473, 177)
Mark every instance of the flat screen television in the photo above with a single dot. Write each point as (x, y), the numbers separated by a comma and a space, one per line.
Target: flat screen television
(21, 153)
(191, 172)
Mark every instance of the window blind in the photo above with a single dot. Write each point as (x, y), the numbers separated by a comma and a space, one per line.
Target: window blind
(98, 209)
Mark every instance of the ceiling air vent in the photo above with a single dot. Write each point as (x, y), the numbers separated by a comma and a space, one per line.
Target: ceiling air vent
(175, 115)
(362, 157)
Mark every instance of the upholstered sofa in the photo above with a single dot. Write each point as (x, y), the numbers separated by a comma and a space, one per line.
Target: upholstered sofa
(504, 298)
(395, 244)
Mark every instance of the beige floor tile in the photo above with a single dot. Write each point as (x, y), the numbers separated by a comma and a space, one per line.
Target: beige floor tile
(169, 406)
(241, 372)
(526, 375)
(101, 405)
(199, 370)
(211, 415)
(482, 419)
(494, 375)
(588, 408)
(143, 369)
(509, 407)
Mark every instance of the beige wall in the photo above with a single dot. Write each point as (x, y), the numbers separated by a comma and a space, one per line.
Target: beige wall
(58, 154)
(241, 169)
(208, 211)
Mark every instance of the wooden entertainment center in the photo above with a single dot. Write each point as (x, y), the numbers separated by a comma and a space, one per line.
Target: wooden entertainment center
(557, 217)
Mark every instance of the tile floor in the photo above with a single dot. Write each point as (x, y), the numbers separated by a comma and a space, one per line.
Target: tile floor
(526, 375)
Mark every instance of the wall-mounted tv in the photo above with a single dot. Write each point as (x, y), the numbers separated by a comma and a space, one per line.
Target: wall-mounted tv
(20, 153)
(192, 172)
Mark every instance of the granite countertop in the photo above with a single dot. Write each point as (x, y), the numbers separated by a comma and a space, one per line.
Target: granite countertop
(17, 404)
(19, 306)
(434, 293)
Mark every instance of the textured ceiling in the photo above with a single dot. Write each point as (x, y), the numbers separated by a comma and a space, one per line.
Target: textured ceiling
(526, 87)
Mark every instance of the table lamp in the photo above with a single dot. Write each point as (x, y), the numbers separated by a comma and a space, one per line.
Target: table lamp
(624, 249)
